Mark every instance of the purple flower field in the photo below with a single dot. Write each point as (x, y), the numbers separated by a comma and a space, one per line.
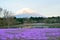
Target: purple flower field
(30, 34)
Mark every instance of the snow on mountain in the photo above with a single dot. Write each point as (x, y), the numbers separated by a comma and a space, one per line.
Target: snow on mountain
(27, 12)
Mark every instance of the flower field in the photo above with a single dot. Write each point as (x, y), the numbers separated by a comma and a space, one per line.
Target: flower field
(30, 34)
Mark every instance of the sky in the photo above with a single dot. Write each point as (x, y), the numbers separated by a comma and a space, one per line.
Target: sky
(47, 8)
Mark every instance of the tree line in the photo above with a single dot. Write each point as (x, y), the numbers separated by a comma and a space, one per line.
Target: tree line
(39, 20)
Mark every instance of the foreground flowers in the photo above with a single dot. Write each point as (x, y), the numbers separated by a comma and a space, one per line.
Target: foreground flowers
(30, 34)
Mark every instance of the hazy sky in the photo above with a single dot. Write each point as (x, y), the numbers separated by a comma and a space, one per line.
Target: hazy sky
(43, 7)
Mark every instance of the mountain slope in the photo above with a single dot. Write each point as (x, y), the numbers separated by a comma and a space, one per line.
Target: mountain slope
(27, 15)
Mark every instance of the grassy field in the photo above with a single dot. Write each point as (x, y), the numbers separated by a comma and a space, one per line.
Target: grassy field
(34, 25)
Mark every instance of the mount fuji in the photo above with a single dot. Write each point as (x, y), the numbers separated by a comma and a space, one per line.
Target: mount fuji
(27, 12)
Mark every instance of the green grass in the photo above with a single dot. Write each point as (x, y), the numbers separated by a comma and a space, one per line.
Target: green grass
(48, 25)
